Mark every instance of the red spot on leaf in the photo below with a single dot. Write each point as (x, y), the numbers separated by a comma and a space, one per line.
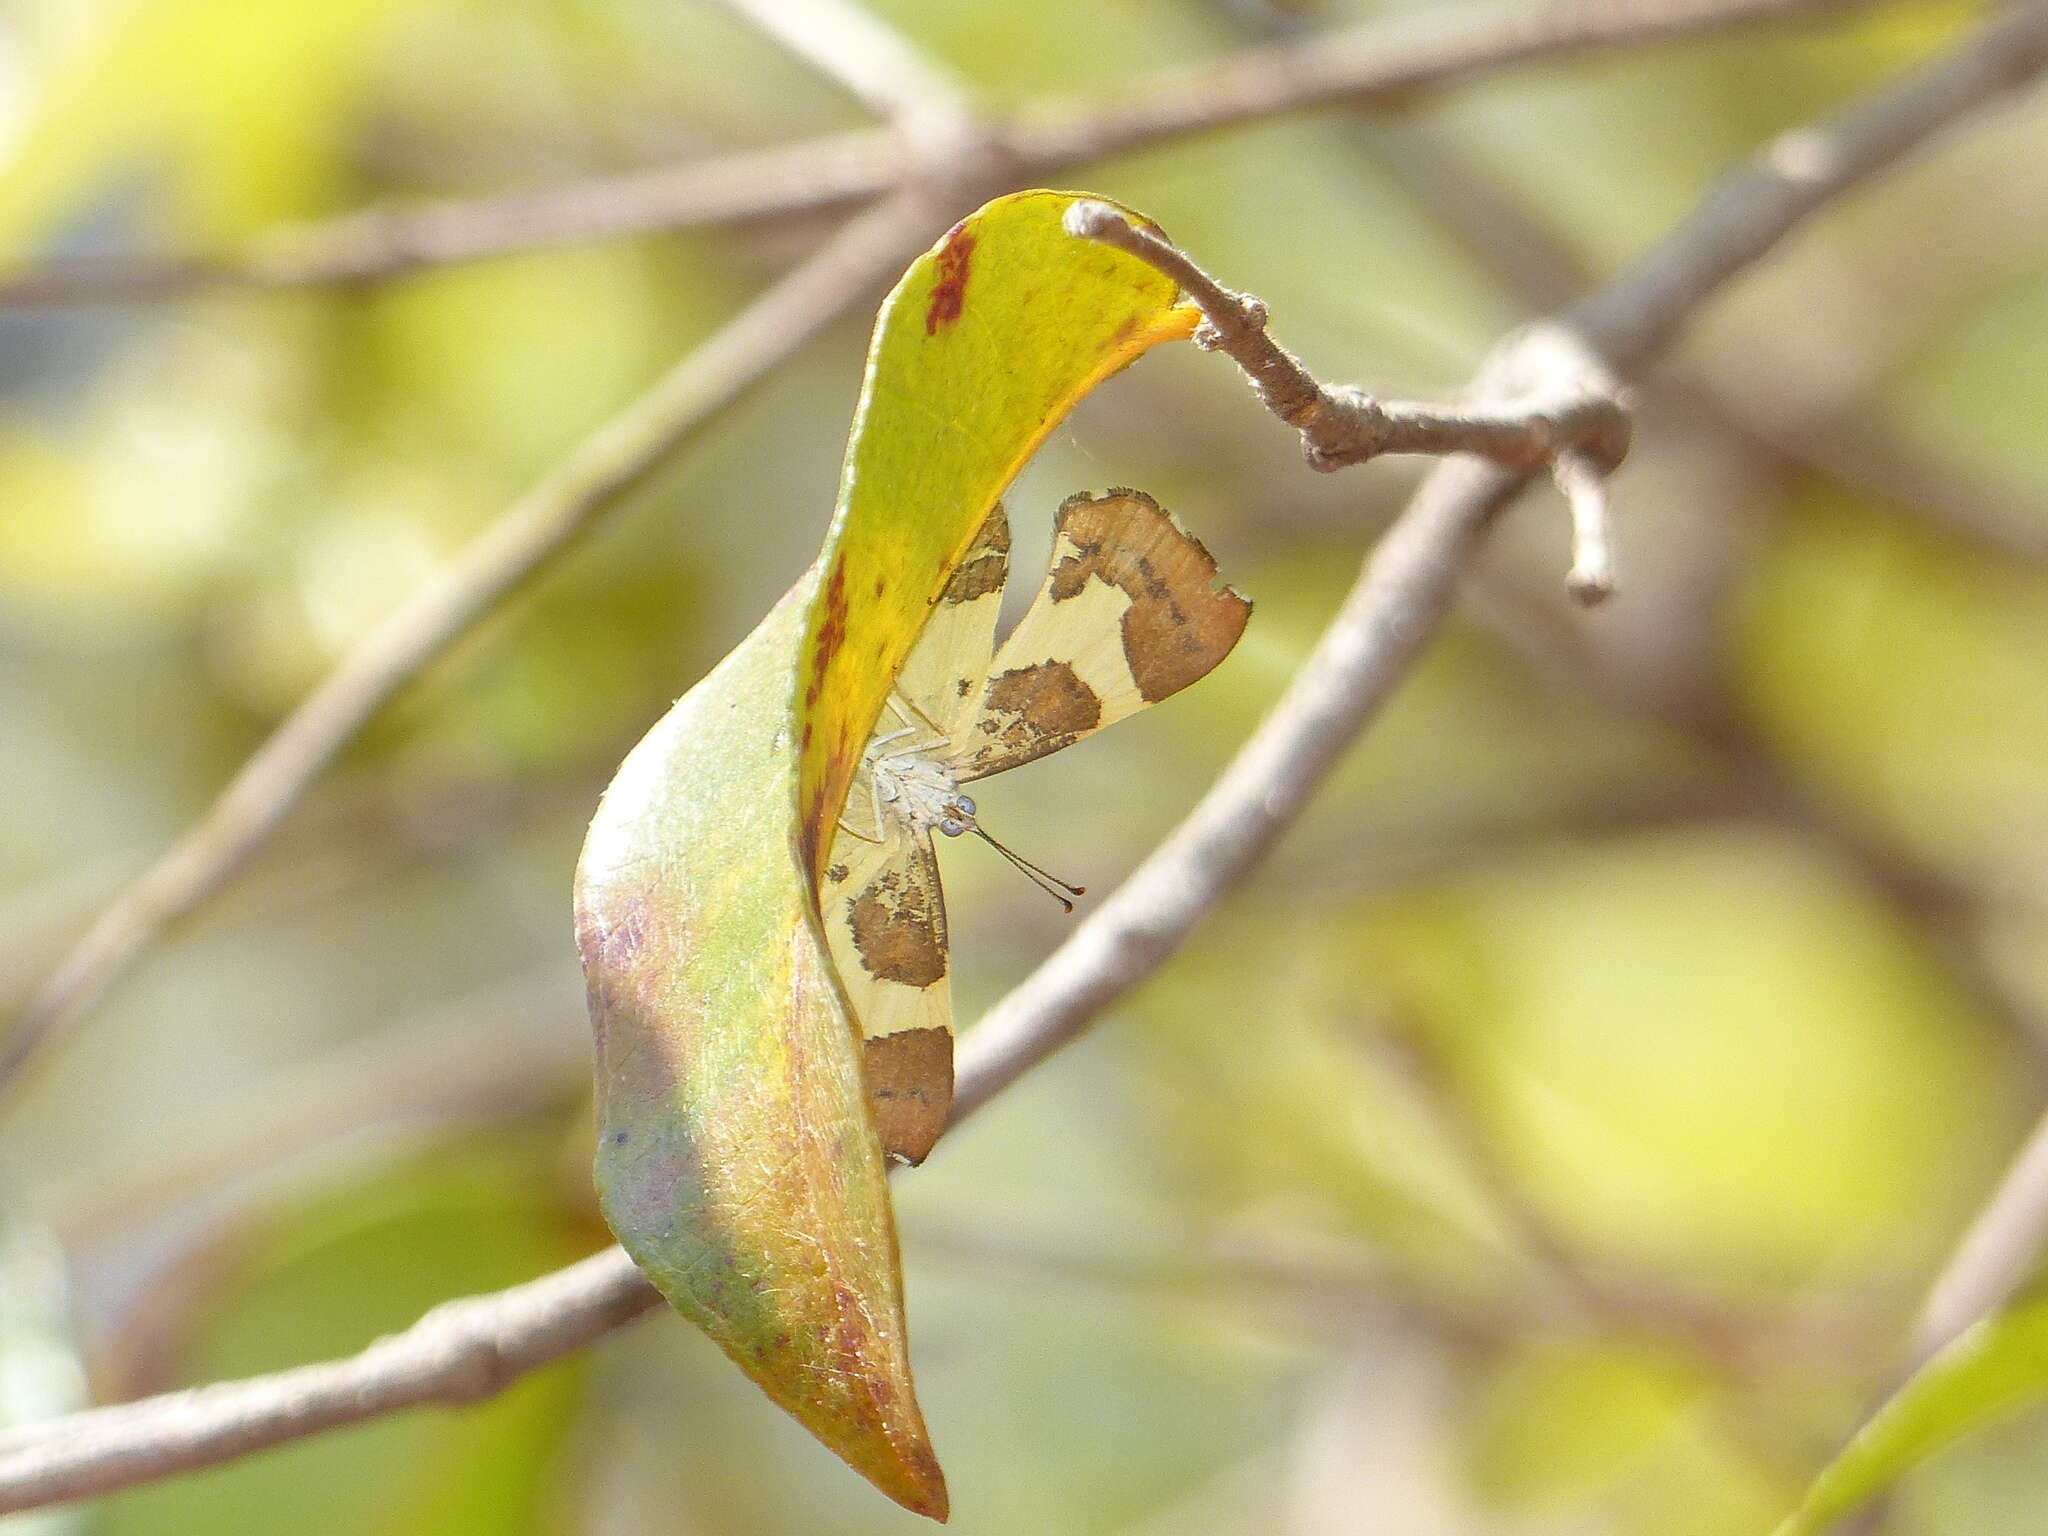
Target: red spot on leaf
(831, 631)
(956, 261)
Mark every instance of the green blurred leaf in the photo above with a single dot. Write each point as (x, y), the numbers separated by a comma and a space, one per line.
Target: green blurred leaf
(1708, 1049)
(1993, 1371)
(1568, 1418)
(1973, 388)
(237, 105)
(736, 1160)
(1900, 671)
(1295, 1119)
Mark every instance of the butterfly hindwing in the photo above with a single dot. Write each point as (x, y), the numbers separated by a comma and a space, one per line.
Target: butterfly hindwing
(1129, 614)
(885, 923)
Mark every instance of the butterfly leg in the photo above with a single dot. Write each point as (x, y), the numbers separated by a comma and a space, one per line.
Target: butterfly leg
(904, 703)
(874, 799)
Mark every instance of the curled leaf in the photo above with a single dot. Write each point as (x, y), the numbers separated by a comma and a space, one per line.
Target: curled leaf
(737, 1161)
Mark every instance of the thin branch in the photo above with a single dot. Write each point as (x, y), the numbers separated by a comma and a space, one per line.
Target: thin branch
(468, 1349)
(1387, 64)
(1637, 316)
(1562, 403)
(1797, 174)
(1581, 1291)
(608, 464)
(831, 171)
(1591, 579)
(928, 103)
(460, 1352)
(1558, 403)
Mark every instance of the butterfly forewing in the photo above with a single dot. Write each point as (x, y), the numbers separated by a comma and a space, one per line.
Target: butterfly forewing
(943, 675)
(1129, 614)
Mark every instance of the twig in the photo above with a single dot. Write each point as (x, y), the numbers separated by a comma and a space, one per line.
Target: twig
(1296, 1281)
(470, 1348)
(1741, 219)
(1798, 173)
(831, 171)
(925, 101)
(1407, 583)
(1386, 64)
(1591, 578)
(1576, 1287)
(1528, 256)
(536, 529)
(1570, 408)
(1559, 405)
(461, 1352)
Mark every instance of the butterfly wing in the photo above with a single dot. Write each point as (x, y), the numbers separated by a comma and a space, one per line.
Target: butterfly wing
(1129, 615)
(944, 672)
(885, 924)
(885, 917)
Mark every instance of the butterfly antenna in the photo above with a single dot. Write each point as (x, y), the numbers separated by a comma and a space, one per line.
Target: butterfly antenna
(1047, 882)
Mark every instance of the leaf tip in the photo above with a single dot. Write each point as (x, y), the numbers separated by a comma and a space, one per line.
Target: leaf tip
(914, 1480)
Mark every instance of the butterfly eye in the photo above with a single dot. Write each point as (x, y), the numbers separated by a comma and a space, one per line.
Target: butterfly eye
(963, 805)
(952, 826)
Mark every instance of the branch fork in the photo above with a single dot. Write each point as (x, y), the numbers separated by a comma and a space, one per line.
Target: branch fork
(1544, 399)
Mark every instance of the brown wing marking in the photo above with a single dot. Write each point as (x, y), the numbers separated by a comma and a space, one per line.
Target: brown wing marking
(1178, 625)
(910, 1089)
(885, 924)
(1129, 614)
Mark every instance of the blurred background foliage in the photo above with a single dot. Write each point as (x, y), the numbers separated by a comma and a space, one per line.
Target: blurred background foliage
(1553, 1139)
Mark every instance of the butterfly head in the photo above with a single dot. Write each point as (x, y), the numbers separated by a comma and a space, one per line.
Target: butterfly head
(958, 817)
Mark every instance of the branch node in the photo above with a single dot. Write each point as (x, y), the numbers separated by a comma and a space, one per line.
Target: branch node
(1322, 460)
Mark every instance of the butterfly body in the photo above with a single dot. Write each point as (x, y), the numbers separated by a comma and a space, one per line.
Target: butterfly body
(1128, 614)
(916, 785)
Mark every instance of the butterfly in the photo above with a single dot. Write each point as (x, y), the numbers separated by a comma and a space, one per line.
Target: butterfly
(1128, 615)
